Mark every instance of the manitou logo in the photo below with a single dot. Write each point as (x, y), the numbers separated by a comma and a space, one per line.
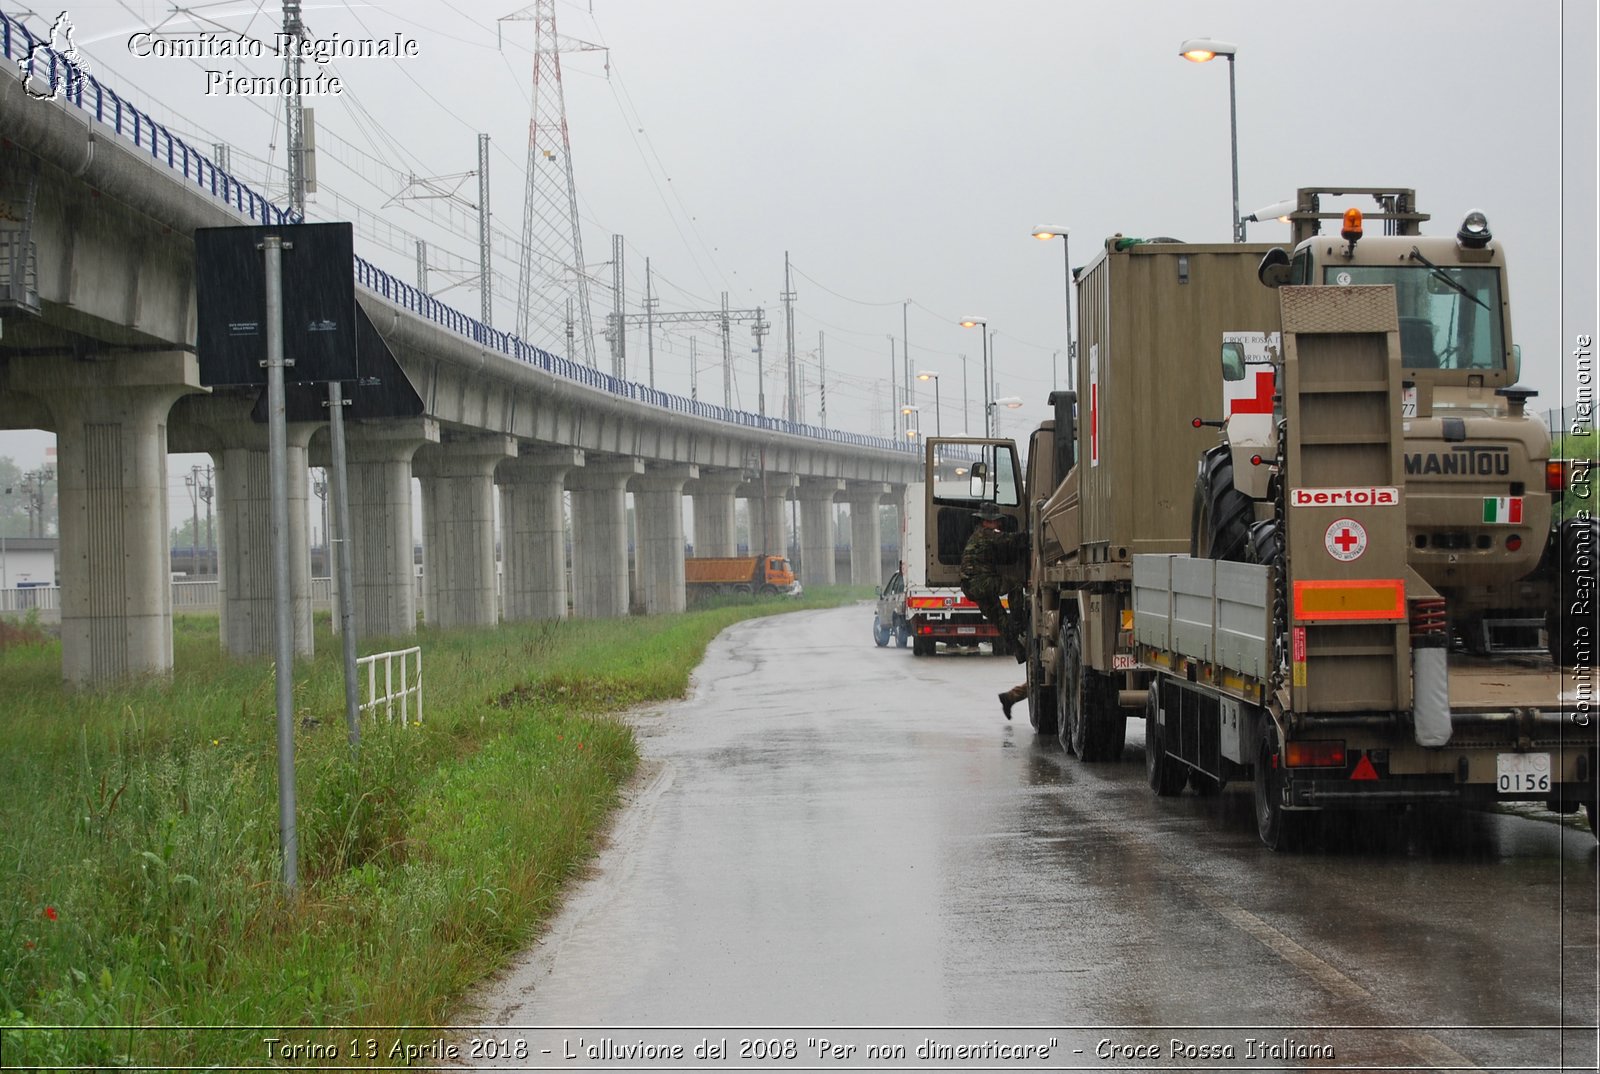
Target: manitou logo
(1460, 462)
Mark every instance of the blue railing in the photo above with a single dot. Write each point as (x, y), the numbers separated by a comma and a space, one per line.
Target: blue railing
(86, 92)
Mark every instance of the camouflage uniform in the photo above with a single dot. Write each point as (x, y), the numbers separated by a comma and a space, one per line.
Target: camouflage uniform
(992, 566)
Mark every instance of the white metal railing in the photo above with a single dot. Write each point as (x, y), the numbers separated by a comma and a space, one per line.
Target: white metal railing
(196, 594)
(409, 662)
(45, 598)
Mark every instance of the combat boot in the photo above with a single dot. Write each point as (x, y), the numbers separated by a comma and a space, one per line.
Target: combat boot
(1011, 697)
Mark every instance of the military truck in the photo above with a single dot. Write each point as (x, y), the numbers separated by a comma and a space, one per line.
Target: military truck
(1113, 475)
(1319, 666)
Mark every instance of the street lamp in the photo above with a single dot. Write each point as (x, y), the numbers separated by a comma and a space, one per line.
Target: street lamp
(1010, 402)
(910, 410)
(1044, 233)
(938, 421)
(973, 322)
(1204, 50)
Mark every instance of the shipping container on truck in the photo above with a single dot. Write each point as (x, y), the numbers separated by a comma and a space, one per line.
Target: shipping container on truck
(1150, 318)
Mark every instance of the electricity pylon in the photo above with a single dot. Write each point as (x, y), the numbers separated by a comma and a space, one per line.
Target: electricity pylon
(552, 266)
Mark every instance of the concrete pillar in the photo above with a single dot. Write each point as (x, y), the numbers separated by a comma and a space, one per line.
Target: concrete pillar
(378, 456)
(817, 529)
(768, 514)
(221, 425)
(534, 534)
(866, 533)
(110, 420)
(600, 537)
(658, 514)
(459, 571)
(715, 532)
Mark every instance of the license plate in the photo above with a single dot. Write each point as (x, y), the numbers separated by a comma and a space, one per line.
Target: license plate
(966, 630)
(1123, 662)
(1522, 773)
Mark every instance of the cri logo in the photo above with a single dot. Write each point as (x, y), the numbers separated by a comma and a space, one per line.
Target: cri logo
(54, 63)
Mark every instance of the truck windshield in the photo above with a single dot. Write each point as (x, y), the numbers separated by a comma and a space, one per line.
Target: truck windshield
(1449, 315)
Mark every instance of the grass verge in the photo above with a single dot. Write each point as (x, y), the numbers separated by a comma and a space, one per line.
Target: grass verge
(139, 865)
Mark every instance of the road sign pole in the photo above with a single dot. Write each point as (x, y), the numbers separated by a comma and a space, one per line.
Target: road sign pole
(342, 552)
(278, 465)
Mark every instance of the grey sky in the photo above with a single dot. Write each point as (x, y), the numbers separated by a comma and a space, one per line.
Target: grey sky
(904, 150)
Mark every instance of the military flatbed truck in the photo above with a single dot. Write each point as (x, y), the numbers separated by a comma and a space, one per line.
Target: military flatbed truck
(1322, 671)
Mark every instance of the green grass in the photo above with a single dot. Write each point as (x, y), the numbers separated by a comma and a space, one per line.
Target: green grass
(139, 866)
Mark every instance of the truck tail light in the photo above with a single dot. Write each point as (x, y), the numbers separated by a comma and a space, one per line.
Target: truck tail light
(1555, 476)
(1314, 754)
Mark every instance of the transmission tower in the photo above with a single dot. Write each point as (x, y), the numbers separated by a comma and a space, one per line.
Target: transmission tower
(552, 241)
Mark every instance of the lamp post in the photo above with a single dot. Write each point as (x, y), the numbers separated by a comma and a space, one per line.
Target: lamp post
(938, 422)
(1204, 50)
(909, 411)
(1010, 402)
(1044, 233)
(974, 322)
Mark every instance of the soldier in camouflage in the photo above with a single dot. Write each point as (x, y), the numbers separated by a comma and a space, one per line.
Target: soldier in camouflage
(993, 564)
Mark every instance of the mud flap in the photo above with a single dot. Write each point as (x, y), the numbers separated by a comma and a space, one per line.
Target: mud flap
(1430, 679)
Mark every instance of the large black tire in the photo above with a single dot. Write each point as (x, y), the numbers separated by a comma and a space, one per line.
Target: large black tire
(1092, 730)
(1221, 517)
(1041, 696)
(1107, 723)
(1571, 624)
(1280, 829)
(1264, 544)
(880, 633)
(1164, 774)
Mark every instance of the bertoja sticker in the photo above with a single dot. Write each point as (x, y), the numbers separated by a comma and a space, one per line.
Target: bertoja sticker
(1345, 540)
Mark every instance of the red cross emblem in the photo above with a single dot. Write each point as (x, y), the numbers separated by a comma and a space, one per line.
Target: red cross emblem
(1346, 539)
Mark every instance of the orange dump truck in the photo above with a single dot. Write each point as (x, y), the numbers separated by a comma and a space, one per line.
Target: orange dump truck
(738, 574)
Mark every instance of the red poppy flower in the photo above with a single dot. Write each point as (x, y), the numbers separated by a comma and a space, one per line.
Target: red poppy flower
(50, 913)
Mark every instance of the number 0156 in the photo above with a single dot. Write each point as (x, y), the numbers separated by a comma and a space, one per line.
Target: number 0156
(1522, 773)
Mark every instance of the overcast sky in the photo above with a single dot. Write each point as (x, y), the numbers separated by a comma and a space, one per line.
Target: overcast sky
(902, 152)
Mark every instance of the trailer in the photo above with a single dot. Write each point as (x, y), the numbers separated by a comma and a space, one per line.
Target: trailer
(1321, 668)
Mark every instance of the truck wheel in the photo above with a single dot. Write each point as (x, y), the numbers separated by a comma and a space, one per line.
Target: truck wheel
(1068, 686)
(1279, 828)
(1107, 724)
(1221, 516)
(769, 590)
(1041, 696)
(1164, 774)
(1571, 636)
(902, 633)
(880, 633)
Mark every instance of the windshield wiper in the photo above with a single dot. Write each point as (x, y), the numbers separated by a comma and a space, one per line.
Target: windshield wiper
(1440, 275)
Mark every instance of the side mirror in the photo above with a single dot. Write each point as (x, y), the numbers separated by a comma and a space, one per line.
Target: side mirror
(980, 474)
(1516, 363)
(1232, 361)
(1274, 268)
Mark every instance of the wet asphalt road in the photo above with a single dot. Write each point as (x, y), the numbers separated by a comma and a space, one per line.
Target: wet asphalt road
(828, 834)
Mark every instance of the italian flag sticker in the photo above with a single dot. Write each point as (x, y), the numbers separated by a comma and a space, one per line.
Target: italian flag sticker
(1505, 510)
